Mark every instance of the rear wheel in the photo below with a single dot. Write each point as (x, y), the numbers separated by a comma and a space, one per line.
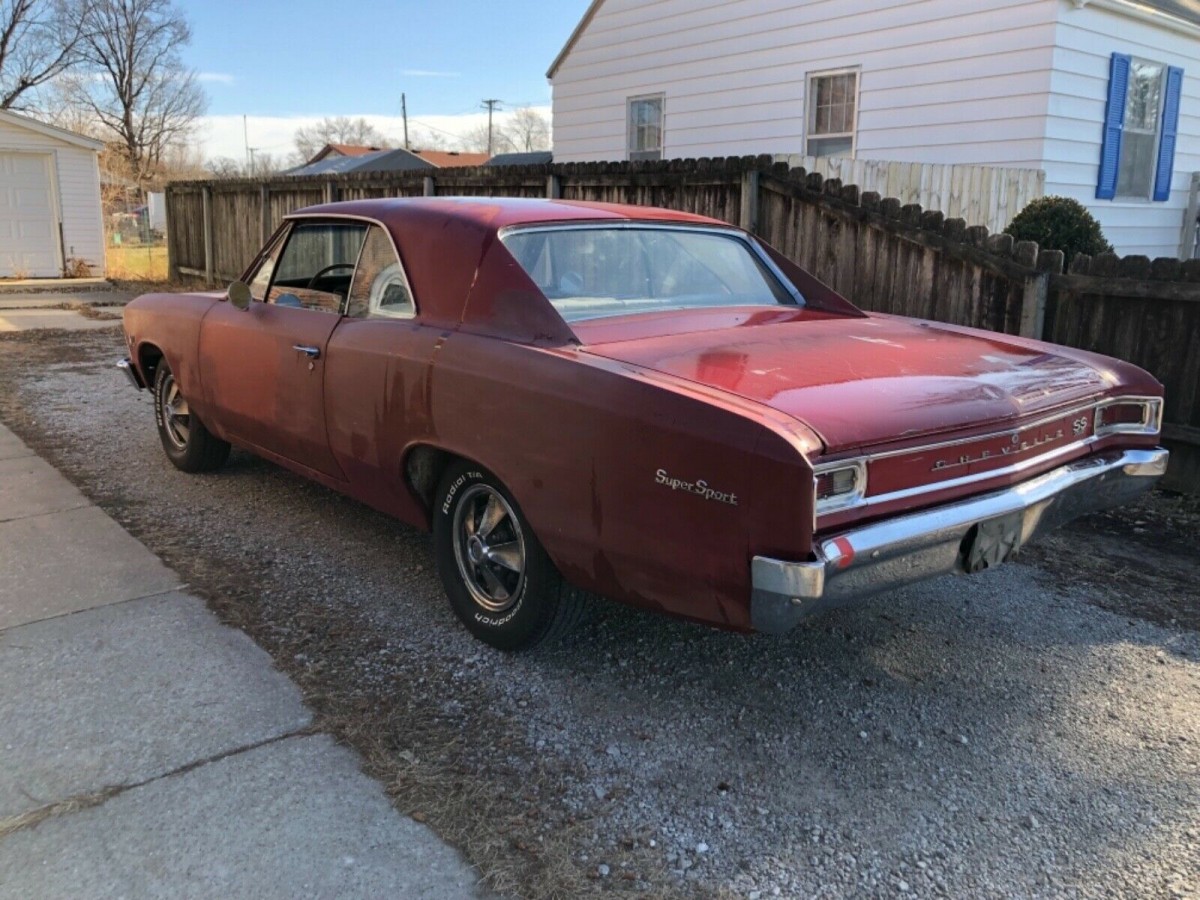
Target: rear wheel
(500, 582)
(188, 444)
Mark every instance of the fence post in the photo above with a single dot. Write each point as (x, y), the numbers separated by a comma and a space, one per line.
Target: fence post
(331, 191)
(1187, 241)
(553, 187)
(206, 194)
(749, 213)
(172, 251)
(429, 190)
(1047, 264)
(264, 196)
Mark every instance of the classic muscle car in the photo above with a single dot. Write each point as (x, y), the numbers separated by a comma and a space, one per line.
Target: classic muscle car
(655, 407)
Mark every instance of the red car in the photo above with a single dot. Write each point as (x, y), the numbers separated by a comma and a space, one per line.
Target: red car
(646, 405)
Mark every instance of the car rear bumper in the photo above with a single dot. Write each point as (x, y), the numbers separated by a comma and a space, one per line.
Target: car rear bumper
(126, 365)
(910, 548)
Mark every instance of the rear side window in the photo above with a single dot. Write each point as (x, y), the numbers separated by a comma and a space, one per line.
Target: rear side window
(380, 287)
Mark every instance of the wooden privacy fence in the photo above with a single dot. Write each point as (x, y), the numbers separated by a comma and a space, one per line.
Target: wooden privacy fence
(981, 195)
(886, 256)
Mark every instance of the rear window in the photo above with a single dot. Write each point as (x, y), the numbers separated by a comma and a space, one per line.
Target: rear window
(593, 272)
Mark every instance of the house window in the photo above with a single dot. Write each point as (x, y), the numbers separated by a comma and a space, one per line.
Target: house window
(1141, 120)
(832, 112)
(646, 127)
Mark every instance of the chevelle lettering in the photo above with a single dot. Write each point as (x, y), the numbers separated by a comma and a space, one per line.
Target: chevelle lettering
(508, 373)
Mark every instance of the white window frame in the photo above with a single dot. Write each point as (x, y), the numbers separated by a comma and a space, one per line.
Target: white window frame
(662, 126)
(810, 108)
(1158, 126)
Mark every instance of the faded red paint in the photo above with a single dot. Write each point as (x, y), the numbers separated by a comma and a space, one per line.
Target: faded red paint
(577, 420)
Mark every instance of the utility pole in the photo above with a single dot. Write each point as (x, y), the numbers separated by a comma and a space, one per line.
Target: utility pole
(491, 105)
(246, 138)
(250, 153)
(404, 112)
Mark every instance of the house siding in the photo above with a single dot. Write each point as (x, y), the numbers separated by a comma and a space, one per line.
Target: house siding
(734, 75)
(76, 184)
(1086, 40)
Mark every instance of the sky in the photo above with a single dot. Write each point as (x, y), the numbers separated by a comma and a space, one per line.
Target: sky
(286, 63)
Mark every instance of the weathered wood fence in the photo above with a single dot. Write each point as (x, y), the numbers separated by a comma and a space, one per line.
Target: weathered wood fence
(885, 255)
(981, 195)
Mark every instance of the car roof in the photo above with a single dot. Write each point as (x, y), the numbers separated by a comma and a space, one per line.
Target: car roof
(495, 213)
(462, 276)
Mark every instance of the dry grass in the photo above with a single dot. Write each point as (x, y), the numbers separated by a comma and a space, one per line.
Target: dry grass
(35, 817)
(136, 263)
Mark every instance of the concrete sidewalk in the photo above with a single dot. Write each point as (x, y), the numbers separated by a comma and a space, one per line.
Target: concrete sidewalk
(29, 312)
(146, 750)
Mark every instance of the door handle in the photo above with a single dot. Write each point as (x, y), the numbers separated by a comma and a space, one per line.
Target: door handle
(307, 350)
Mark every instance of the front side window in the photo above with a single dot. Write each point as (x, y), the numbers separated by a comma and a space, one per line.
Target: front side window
(316, 266)
(832, 113)
(380, 287)
(646, 127)
(261, 280)
(593, 272)
(1141, 124)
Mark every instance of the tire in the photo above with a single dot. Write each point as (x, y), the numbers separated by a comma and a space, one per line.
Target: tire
(187, 443)
(498, 578)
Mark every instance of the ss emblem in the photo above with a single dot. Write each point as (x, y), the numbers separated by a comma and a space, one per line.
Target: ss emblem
(1080, 425)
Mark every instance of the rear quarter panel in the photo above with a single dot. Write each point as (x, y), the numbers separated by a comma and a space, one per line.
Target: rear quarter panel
(581, 443)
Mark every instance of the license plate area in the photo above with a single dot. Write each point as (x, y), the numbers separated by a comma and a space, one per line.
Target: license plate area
(992, 542)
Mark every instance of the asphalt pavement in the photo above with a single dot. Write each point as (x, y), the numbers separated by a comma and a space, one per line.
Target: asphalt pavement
(147, 750)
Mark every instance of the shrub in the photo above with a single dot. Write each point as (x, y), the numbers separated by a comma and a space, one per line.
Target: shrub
(1059, 223)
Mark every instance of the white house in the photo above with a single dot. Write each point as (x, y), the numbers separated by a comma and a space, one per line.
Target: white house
(1102, 95)
(50, 208)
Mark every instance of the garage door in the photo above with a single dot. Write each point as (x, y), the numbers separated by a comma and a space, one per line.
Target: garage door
(28, 243)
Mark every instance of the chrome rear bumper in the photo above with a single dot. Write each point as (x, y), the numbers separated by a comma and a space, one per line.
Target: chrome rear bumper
(913, 547)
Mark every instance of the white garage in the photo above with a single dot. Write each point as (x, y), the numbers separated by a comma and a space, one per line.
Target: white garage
(50, 212)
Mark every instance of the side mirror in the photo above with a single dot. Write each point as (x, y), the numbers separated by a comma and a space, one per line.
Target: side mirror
(239, 295)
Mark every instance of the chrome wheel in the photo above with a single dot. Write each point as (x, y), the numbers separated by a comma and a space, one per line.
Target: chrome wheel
(174, 409)
(489, 548)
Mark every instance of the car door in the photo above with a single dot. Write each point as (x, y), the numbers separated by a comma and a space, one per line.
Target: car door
(264, 367)
(377, 379)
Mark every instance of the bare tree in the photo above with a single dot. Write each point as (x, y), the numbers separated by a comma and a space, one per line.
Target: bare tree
(425, 139)
(138, 89)
(39, 40)
(476, 140)
(528, 130)
(338, 130)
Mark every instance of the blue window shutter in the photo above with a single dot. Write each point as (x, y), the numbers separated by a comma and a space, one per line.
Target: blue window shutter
(1114, 125)
(1170, 128)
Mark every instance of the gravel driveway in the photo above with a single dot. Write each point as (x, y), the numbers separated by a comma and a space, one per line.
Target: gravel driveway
(1020, 733)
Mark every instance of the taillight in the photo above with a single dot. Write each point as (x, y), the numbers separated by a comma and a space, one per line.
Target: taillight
(839, 485)
(1129, 415)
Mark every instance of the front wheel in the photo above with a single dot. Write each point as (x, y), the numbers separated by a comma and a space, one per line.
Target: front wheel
(188, 444)
(498, 578)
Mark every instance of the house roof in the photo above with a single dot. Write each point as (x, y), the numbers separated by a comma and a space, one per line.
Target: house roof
(536, 158)
(445, 159)
(343, 150)
(398, 160)
(51, 131)
(1187, 11)
(570, 44)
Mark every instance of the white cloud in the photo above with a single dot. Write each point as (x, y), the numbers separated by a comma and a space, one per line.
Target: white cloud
(223, 135)
(429, 73)
(215, 78)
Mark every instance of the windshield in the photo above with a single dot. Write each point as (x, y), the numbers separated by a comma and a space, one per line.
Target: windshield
(591, 272)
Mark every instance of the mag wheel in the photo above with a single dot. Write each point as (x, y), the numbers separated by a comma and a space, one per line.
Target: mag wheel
(499, 580)
(188, 444)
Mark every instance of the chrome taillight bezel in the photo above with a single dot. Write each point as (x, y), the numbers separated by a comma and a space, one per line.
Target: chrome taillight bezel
(845, 500)
(1150, 423)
